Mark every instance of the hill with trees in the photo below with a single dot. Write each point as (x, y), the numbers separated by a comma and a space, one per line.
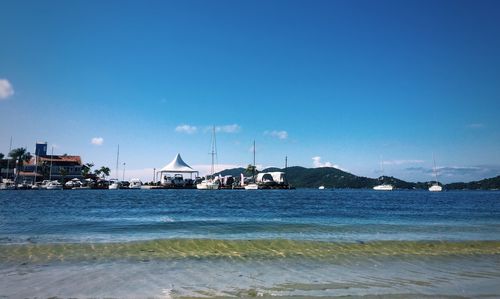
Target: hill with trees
(330, 177)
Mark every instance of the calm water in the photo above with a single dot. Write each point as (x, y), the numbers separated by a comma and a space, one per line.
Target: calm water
(182, 243)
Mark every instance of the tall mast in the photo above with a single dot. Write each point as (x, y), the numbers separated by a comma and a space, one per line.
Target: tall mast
(8, 160)
(435, 169)
(117, 161)
(51, 158)
(382, 168)
(254, 167)
(36, 167)
(213, 152)
(123, 177)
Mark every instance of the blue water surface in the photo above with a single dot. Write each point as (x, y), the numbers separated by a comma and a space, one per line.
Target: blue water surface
(324, 215)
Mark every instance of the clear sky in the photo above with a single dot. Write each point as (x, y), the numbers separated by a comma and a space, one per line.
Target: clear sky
(341, 83)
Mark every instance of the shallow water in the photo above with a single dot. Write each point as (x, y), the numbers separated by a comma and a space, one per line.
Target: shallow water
(190, 243)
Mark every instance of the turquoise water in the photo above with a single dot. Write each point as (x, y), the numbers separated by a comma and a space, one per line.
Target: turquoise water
(285, 243)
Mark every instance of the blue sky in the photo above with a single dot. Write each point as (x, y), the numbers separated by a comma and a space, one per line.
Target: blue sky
(343, 83)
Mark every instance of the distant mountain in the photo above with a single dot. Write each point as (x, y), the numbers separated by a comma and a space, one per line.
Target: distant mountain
(331, 177)
(486, 184)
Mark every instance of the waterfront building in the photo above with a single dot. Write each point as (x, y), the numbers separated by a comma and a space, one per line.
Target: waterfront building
(54, 167)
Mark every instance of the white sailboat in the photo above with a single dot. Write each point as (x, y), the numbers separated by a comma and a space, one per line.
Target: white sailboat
(253, 185)
(383, 187)
(211, 183)
(115, 183)
(51, 184)
(435, 187)
(8, 184)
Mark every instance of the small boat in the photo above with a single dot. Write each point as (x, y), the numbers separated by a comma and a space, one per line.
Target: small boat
(435, 187)
(135, 184)
(383, 187)
(54, 185)
(7, 185)
(208, 184)
(321, 187)
(114, 184)
(252, 186)
(36, 186)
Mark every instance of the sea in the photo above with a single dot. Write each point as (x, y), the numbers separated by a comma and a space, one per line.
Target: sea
(300, 243)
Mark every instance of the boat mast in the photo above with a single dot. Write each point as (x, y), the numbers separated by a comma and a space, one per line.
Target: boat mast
(286, 168)
(123, 177)
(51, 158)
(8, 160)
(382, 169)
(254, 167)
(36, 167)
(117, 161)
(435, 170)
(213, 152)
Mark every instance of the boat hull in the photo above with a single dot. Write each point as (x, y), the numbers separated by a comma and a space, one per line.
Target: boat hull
(251, 187)
(383, 188)
(207, 186)
(436, 188)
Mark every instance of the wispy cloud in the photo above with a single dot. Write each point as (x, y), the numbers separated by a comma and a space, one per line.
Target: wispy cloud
(6, 89)
(97, 141)
(234, 128)
(188, 129)
(402, 162)
(459, 172)
(475, 126)
(318, 163)
(277, 134)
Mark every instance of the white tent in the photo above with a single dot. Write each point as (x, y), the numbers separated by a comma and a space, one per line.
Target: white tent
(177, 166)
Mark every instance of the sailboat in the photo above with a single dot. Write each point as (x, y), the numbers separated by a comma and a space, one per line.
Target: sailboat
(7, 184)
(115, 183)
(435, 187)
(50, 184)
(253, 185)
(211, 183)
(383, 187)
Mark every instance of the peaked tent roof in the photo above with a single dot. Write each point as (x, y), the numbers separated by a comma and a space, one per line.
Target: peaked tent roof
(177, 165)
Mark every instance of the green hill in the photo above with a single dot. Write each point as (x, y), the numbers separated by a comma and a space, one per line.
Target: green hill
(331, 177)
(486, 184)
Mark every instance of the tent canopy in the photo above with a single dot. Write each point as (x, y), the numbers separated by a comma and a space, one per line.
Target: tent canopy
(178, 165)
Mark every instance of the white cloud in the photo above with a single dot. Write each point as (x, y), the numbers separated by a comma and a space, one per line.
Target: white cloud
(277, 134)
(234, 128)
(186, 129)
(97, 141)
(475, 126)
(317, 163)
(6, 89)
(401, 162)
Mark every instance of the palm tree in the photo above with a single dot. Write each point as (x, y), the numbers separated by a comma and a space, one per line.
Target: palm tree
(251, 169)
(105, 171)
(63, 172)
(86, 169)
(19, 155)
